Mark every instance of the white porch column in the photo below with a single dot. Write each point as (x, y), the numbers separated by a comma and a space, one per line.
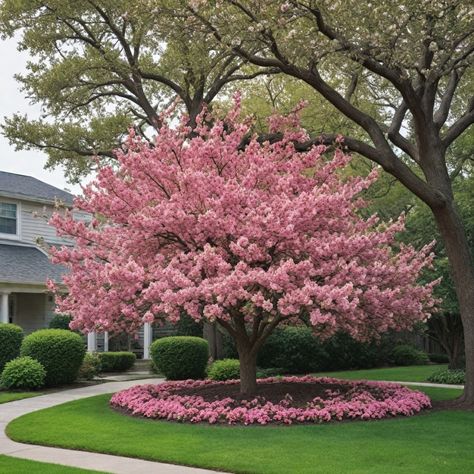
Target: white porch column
(4, 317)
(106, 341)
(147, 340)
(91, 342)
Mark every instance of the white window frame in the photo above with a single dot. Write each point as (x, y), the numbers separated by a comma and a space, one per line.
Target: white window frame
(16, 236)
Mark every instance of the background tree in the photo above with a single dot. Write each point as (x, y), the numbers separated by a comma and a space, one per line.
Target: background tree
(417, 56)
(250, 238)
(98, 66)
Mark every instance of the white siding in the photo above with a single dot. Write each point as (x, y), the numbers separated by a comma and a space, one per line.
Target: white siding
(34, 224)
(34, 218)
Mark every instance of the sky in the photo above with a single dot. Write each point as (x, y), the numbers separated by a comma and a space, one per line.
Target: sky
(12, 101)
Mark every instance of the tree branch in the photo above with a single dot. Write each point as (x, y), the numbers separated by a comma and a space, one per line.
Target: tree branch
(460, 125)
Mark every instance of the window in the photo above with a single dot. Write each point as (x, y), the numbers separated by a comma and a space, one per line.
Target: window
(8, 218)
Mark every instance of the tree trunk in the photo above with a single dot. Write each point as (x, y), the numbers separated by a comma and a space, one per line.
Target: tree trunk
(457, 250)
(248, 372)
(446, 329)
(455, 357)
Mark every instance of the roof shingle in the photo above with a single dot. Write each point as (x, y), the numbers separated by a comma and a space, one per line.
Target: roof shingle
(27, 187)
(21, 264)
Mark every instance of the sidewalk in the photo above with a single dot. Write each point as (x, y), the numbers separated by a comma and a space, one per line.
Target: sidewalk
(86, 460)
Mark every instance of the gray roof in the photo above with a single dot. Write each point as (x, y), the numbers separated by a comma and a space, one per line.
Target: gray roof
(22, 264)
(31, 189)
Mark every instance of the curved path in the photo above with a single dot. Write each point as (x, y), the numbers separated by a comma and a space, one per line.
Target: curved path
(86, 460)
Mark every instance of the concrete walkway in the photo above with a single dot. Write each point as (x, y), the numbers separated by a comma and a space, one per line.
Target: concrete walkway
(100, 462)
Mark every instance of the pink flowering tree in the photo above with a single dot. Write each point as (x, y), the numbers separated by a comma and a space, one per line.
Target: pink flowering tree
(251, 237)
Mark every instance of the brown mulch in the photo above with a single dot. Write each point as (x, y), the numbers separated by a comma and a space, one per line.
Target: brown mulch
(301, 393)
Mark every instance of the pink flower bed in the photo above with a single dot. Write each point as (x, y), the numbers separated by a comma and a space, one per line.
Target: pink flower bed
(359, 400)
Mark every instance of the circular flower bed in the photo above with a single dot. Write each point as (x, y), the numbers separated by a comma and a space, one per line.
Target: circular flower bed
(278, 400)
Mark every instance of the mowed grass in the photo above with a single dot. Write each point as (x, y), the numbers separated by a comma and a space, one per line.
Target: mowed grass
(21, 466)
(413, 373)
(433, 442)
(12, 396)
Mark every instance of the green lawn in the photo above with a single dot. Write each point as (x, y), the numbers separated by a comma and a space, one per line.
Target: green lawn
(413, 373)
(20, 466)
(11, 396)
(434, 442)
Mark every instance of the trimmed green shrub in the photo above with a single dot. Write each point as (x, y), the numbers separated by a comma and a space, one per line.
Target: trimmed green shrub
(455, 377)
(90, 366)
(116, 361)
(225, 369)
(60, 351)
(11, 336)
(60, 321)
(180, 357)
(23, 373)
(294, 348)
(408, 355)
(345, 353)
(439, 358)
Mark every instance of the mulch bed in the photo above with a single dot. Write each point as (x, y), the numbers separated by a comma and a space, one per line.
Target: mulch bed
(301, 393)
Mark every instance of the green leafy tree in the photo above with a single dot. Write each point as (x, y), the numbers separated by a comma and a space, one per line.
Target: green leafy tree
(99, 66)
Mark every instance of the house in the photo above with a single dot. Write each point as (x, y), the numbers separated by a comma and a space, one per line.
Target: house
(25, 204)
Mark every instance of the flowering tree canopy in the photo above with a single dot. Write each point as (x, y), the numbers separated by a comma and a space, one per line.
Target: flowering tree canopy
(251, 235)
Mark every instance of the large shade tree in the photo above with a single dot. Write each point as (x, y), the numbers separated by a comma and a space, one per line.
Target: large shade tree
(417, 56)
(250, 237)
(98, 66)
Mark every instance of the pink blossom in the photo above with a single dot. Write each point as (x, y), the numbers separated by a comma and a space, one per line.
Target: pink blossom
(205, 226)
(363, 400)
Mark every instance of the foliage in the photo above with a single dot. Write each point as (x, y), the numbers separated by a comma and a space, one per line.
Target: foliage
(298, 350)
(60, 321)
(60, 351)
(367, 401)
(454, 377)
(90, 366)
(408, 355)
(23, 373)
(269, 261)
(225, 369)
(11, 336)
(116, 361)
(294, 348)
(180, 357)
(438, 358)
(187, 326)
(96, 68)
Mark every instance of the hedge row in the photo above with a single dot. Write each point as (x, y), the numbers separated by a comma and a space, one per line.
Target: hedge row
(116, 361)
(297, 350)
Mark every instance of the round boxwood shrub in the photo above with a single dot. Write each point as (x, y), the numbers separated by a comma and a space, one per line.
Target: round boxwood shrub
(116, 361)
(23, 373)
(60, 321)
(408, 355)
(225, 369)
(60, 351)
(180, 357)
(11, 336)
